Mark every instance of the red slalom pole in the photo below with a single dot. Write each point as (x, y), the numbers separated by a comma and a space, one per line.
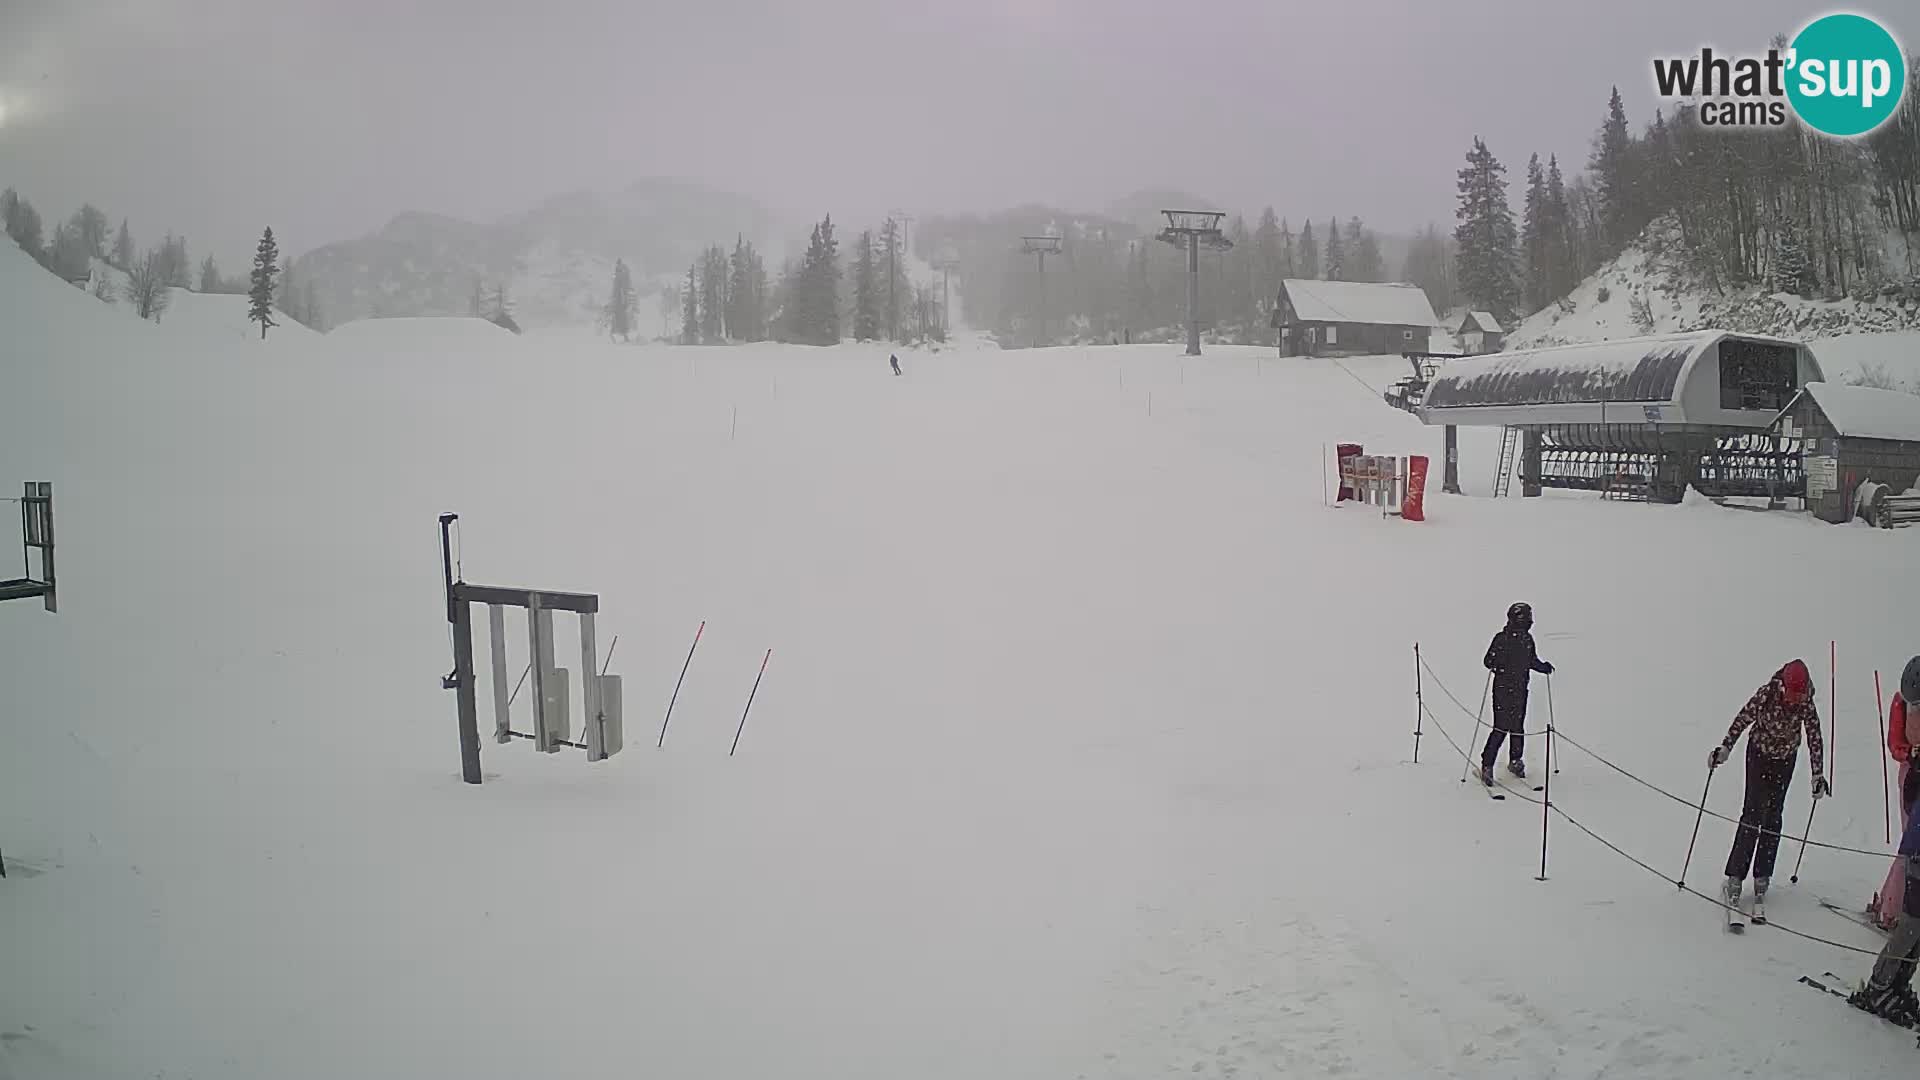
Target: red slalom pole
(750, 697)
(1886, 791)
(677, 682)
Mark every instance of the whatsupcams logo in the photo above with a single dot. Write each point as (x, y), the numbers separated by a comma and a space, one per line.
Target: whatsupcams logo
(1842, 75)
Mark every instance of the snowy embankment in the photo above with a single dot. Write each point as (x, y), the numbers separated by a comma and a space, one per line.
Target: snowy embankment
(1083, 750)
(1642, 291)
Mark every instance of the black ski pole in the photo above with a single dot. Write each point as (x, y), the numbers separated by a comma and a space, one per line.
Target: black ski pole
(1681, 881)
(677, 682)
(1553, 762)
(1794, 878)
(1546, 802)
(1484, 690)
(743, 712)
(1419, 704)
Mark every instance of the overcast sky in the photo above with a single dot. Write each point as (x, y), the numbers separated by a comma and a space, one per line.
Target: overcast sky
(326, 117)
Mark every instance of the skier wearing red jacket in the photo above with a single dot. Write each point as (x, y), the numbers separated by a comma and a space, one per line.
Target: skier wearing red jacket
(1778, 712)
(1903, 733)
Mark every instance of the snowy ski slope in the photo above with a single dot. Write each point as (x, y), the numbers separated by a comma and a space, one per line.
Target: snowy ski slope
(1083, 750)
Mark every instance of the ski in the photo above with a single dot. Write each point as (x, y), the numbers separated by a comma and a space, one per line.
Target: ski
(1818, 985)
(1854, 917)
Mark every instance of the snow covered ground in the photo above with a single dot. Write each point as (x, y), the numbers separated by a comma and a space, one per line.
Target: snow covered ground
(1083, 751)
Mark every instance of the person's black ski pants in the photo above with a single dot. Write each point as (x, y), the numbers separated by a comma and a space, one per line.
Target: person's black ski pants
(1758, 840)
(1509, 723)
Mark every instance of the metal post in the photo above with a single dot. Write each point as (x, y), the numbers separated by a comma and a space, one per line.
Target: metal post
(589, 685)
(1193, 294)
(446, 559)
(497, 655)
(463, 690)
(1450, 481)
(1040, 294)
(1530, 463)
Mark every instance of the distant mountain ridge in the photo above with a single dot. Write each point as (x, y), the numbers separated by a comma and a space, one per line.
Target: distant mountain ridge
(555, 260)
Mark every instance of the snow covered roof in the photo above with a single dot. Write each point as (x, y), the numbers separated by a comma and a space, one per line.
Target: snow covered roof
(1863, 412)
(1481, 320)
(1368, 302)
(1669, 380)
(1634, 369)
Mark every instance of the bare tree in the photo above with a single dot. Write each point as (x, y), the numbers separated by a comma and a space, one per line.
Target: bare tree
(147, 287)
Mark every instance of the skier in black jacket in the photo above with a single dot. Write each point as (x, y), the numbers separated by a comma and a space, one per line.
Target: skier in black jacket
(1512, 659)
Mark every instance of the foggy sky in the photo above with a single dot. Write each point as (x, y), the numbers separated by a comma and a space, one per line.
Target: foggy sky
(326, 117)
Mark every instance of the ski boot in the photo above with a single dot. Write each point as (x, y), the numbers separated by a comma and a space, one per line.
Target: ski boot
(1518, 768)
(1731, 891)
(1486, 775)
(1760, 899)
(1895, 1005)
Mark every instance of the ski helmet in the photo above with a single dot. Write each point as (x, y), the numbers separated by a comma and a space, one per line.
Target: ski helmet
(1910, 682)
(1520, 615)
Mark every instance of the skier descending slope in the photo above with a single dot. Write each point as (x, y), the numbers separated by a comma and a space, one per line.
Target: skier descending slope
(1512, 659)
(1903, 732)
(1889, 991)
(1777, 712)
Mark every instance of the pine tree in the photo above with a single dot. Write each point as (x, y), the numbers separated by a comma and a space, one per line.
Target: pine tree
(621, 310)
(1614, 178)
(23, 225)
(866, 302)
(762, 311)
(1534, 230)
(690, 307)
(1485, 235)
(1288, 262)
(479, 299)
(1335, 265)
(1791, 271)
(123, 247)
(1563, 273)
(1363, 253)
(9, 206)
(266, 265)
(310, 306)
(713, 296)
(1309, 261)
(818, 287)
(209, 276)
(743, 293)
(894, 287)
(1269, 262)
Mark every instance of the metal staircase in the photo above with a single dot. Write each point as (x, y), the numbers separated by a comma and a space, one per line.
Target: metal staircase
(1509, 451)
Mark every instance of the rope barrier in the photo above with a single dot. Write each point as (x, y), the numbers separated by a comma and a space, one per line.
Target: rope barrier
(1561, 734)
(1642, 864)
(1649, 785)
(1463, 709)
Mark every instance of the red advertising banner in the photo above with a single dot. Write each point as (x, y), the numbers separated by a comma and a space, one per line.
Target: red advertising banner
(1413, 505)
(1343, 451)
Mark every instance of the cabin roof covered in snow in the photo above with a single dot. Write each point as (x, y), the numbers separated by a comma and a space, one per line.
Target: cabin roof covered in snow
(1481, 320)
(1863, 412)
(1635, 369)
(1367, 302)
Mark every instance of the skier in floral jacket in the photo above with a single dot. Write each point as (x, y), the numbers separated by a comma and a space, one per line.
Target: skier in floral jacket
(1778, 712)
